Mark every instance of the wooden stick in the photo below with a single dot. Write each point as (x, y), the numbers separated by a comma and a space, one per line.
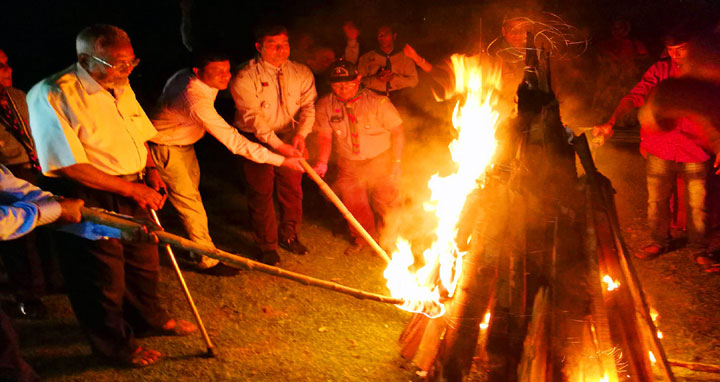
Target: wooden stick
(346, 213)
(125, 224)
(696, 366)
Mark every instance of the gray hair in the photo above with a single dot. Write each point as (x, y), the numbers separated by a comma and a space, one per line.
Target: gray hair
(99, 37)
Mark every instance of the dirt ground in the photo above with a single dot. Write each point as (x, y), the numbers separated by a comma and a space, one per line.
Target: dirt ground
(270, 329)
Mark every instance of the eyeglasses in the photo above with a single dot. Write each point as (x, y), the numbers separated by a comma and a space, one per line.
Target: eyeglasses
(122, 66)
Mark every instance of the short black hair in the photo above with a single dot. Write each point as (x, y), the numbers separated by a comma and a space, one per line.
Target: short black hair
(202, 57)
(263, 30)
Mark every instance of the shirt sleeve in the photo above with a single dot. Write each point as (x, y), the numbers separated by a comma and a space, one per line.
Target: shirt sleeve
(308, 95)
(406, 75)
(204, 112)
(56, 142)
(322, 119)
(639, 94)
(388, 114)
(24, 206)
(249, 107)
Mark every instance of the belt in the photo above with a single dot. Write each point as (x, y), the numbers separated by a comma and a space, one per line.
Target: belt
(162, 144)
(136, 177)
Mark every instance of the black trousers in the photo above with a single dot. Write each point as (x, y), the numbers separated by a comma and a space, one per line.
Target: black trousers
(112, 284)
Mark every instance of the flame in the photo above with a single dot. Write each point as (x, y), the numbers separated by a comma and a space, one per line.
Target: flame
(474, 119)
(486, 321)
(605, 379)
(654, 316)
(652, 357)
(611, 284)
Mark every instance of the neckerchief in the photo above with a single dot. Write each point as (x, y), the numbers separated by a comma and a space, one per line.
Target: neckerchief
(352, 121)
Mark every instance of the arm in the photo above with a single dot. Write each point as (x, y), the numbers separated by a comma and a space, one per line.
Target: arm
(405, 74)
(419, 61)
(352, 49)
(24, 206)
(204, 112)
(306, 116)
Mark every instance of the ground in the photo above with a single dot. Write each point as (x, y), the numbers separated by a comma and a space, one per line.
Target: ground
(271, 329)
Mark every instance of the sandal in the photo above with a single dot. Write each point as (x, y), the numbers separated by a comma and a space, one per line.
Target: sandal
(142, 357)
(178, 328)
(651, 251)
(708, 262)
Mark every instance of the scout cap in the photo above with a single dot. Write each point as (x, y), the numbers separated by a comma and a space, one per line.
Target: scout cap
(342, 71)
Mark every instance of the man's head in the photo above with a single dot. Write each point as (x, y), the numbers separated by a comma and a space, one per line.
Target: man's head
(514, 31)
(677, 42)
(344, 79)
(386, 38)
(5, 71)
(106, 53)
(212, 68)
(272, 44)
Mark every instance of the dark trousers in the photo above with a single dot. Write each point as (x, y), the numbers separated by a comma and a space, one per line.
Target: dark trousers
(112, 285)
(367, 189)
(264, 180)
(12, 366)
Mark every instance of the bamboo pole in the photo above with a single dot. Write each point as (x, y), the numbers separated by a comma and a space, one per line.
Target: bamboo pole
(346, 213)
(124, 224)
(704, 367)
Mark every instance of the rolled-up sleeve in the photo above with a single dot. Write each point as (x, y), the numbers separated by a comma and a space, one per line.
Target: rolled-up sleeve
(308, 95)
(23, 206)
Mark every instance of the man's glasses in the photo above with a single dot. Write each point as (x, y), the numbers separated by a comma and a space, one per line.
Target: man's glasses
(122, 66)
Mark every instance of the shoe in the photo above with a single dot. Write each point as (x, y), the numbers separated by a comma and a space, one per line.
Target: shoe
(355, 248)
(270, 257)
(221, 270)
(293, 245)
(30, 309)
(651, 251)
(206, 263)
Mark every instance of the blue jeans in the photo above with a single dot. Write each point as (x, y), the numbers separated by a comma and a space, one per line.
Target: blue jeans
(661, 174)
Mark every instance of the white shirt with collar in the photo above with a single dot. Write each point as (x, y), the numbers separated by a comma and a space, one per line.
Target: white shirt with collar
(74, 120)
(262, 110)
(186, 110)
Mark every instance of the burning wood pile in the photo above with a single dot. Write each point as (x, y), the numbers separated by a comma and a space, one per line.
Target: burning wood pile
(529, 262)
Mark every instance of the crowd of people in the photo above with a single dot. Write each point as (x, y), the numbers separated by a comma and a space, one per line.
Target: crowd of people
(82, 136)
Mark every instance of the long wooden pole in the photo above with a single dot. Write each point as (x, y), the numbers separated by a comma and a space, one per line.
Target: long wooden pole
(124, 224)
(210, 348)
(346, 213)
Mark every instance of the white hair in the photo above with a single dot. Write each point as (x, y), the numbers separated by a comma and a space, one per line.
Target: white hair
(99, 37)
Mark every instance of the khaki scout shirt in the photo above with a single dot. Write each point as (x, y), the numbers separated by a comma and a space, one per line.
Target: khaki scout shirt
(403, 66)
(376, 119)
(75, 120)
(265, 106)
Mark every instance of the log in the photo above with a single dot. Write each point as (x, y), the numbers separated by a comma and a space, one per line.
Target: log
(125, 224)
(704, 367)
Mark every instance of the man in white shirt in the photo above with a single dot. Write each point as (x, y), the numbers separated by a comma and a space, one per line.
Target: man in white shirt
(275, 102)
(90, 135)
(185, 111)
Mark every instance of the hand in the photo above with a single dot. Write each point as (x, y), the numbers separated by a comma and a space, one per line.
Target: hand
(293, 164)
(602, 132)
(351, 32)
(321, 169)
(145, 196)
(717, 163)
(298, 142)
(385, 75)
(70, 211)
(154, 181)
(288, 151)
(410, 52)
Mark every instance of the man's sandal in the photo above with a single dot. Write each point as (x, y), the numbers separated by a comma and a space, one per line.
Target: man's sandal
(651, 251)
(142, 357)
(178, 328)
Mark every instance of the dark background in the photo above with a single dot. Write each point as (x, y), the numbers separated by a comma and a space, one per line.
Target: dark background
(38, 36)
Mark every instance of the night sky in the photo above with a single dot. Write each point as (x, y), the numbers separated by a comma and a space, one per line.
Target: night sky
(39, 36)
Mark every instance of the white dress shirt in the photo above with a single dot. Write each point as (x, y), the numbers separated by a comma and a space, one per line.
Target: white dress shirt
(186, 110)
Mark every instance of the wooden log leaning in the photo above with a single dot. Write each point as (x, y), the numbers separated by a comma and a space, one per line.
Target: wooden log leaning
(127, 225)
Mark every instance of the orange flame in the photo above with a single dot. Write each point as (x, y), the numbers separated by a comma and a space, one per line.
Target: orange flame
(474, 119)
(611, 284)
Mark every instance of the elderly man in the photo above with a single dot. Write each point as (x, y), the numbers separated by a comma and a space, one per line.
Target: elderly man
(386, 70)
(185, 112)
(675, 151)
(367, 135)
(90, 134)
(275, 101)
(25, 207)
